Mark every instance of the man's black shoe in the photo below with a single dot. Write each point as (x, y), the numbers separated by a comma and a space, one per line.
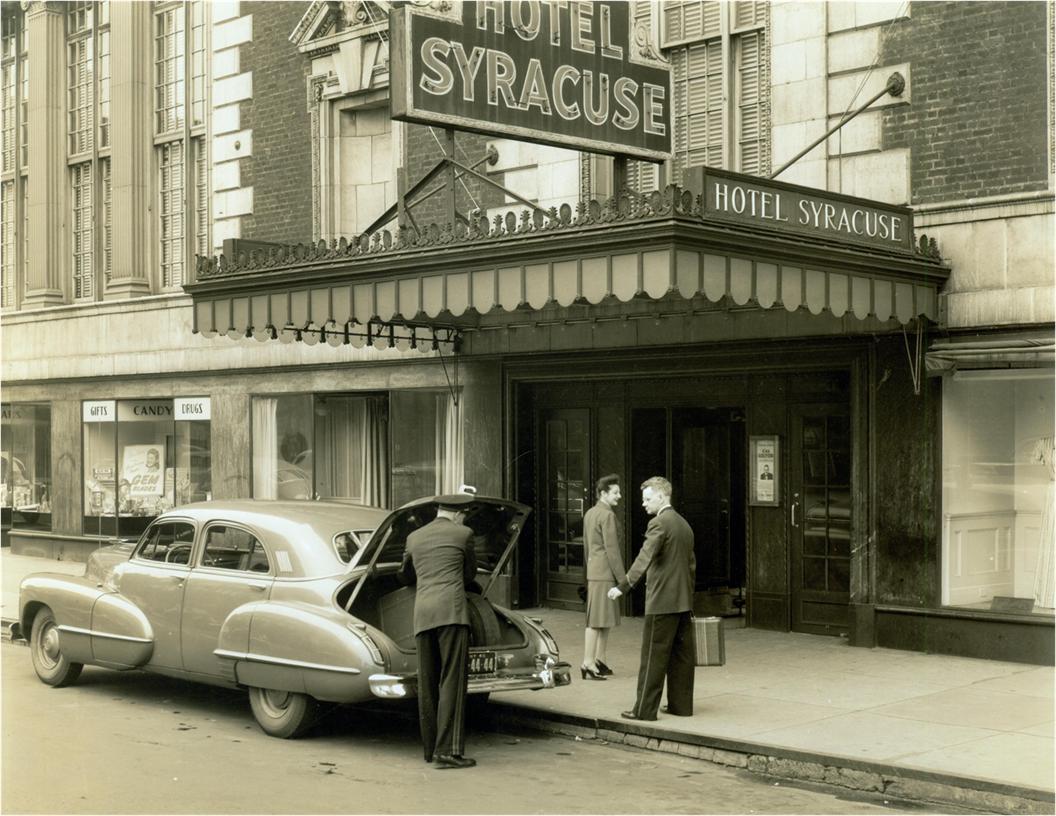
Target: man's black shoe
(445, 761)
(630, 715)
(667, 710)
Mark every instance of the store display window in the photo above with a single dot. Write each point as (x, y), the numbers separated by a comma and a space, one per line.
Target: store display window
(25, 466)
(380, 450)
(141, 458)
(997, 491)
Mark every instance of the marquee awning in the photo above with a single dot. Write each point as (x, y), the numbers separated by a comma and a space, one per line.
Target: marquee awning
(385, 287)
(1032, 351)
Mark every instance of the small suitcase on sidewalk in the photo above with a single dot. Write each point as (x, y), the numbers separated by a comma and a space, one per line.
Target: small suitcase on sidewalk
(711, 641)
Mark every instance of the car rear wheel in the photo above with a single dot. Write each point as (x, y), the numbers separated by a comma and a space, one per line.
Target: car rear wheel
(284, 714)
(50, 664)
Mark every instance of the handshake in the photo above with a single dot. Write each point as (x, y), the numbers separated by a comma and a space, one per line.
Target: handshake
(614, 593)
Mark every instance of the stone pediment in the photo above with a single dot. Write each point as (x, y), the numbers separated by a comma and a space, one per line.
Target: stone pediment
(327, 23)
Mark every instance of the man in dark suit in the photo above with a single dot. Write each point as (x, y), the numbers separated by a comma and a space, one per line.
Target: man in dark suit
(669, 565)
(439, 558)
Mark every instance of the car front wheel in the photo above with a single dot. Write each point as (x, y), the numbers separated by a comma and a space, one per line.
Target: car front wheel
(50, 664)
(285, 714)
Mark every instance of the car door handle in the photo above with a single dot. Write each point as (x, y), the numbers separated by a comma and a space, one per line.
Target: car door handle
(258, 587)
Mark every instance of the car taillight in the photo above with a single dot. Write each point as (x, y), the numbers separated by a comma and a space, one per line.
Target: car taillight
(360, 631)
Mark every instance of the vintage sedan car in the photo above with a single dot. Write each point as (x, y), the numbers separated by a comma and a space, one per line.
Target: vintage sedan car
(298, 602)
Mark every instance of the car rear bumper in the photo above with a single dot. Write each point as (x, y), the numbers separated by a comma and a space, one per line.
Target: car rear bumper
(551, 675)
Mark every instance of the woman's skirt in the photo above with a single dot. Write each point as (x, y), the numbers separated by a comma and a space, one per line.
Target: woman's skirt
(601, 612)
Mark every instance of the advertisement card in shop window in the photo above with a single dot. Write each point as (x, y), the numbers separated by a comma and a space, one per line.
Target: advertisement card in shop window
(144, 468)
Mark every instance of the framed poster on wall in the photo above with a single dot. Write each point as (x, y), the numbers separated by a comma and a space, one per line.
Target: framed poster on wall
(764, 466)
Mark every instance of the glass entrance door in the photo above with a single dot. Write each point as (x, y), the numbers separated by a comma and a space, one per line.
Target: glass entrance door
(566, 494)
(701, 450)
(820, 519)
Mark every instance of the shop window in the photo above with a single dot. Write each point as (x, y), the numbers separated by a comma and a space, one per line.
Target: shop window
(997, 491)
(25, 466)
(282, 448)
(339, 446)
(141, 458)
(426, 445)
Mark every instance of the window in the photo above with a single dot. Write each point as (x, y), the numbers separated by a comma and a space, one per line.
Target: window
(14, 152)
(427, 445)
(25, 466)
(142, 457)
(179, 87)
(170, 542)
(997, 490)
(720, 70)
(338, 446)
(88, 143)
(233, 548)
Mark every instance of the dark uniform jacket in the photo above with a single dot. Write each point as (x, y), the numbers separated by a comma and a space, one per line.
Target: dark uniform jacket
(604, 561)
(440, 559)
(668, 562)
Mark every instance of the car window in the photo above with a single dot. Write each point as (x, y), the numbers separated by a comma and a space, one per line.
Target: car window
(349, 543)
(233, 548)
(169, 541)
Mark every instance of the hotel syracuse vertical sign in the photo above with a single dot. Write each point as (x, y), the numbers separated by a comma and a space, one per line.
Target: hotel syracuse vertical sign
(569, 73)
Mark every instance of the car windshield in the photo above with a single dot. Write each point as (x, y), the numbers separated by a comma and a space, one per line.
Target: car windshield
(350, 543)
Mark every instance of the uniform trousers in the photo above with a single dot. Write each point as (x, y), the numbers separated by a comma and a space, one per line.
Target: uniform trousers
(443, 657)
(668, 652)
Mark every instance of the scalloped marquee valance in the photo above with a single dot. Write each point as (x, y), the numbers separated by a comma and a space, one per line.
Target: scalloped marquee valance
(628, 251)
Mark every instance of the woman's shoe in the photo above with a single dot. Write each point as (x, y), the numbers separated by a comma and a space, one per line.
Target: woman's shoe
(590, 674)
(603, 670)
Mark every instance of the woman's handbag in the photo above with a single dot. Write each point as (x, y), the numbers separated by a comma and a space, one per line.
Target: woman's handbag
(711, 641)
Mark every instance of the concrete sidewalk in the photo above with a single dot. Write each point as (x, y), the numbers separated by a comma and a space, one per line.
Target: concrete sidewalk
(959, 731)
(976, 733)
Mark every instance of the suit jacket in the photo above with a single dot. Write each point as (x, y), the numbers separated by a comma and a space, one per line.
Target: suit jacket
(668, 562)
(604, 560)
(439, 558)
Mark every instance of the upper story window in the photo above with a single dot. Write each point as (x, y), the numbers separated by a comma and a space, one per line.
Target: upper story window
(181, 160)
(14, 151)
(88, 144)
(720, 70)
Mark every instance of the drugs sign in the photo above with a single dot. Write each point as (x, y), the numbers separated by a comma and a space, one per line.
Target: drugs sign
(571, 73)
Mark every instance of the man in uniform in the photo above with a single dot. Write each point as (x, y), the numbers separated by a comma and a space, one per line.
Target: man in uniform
(669, 564)
(439, 558)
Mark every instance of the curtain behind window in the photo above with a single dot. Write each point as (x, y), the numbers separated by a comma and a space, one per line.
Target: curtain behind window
(450, 470)
(374, 436)
(265, 447)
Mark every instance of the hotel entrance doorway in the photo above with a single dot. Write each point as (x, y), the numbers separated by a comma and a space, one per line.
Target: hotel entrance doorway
(702, 451)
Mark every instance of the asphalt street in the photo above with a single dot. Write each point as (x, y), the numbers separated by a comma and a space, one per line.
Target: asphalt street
(137, 743)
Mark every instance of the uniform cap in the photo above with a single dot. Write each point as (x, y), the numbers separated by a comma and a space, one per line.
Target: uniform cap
(455, 501)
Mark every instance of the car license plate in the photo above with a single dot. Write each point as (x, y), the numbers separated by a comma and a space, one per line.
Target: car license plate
(482, 662)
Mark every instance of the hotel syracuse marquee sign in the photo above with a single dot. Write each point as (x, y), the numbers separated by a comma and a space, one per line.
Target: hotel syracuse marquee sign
(569, 73)
(791, 208)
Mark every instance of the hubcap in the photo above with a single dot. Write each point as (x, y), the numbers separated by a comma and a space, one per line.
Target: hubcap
(275, 702)
(49, 645)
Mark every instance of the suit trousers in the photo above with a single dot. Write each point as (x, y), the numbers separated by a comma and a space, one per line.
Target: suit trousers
(668, 652)
(443, 673)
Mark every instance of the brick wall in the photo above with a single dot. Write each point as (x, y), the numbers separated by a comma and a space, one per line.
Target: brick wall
(280, 169)
(977, 125)
(422, 152)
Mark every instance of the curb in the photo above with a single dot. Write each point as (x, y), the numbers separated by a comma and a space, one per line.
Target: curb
(826, 769)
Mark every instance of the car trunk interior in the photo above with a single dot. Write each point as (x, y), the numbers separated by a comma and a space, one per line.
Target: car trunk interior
(387, 605)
